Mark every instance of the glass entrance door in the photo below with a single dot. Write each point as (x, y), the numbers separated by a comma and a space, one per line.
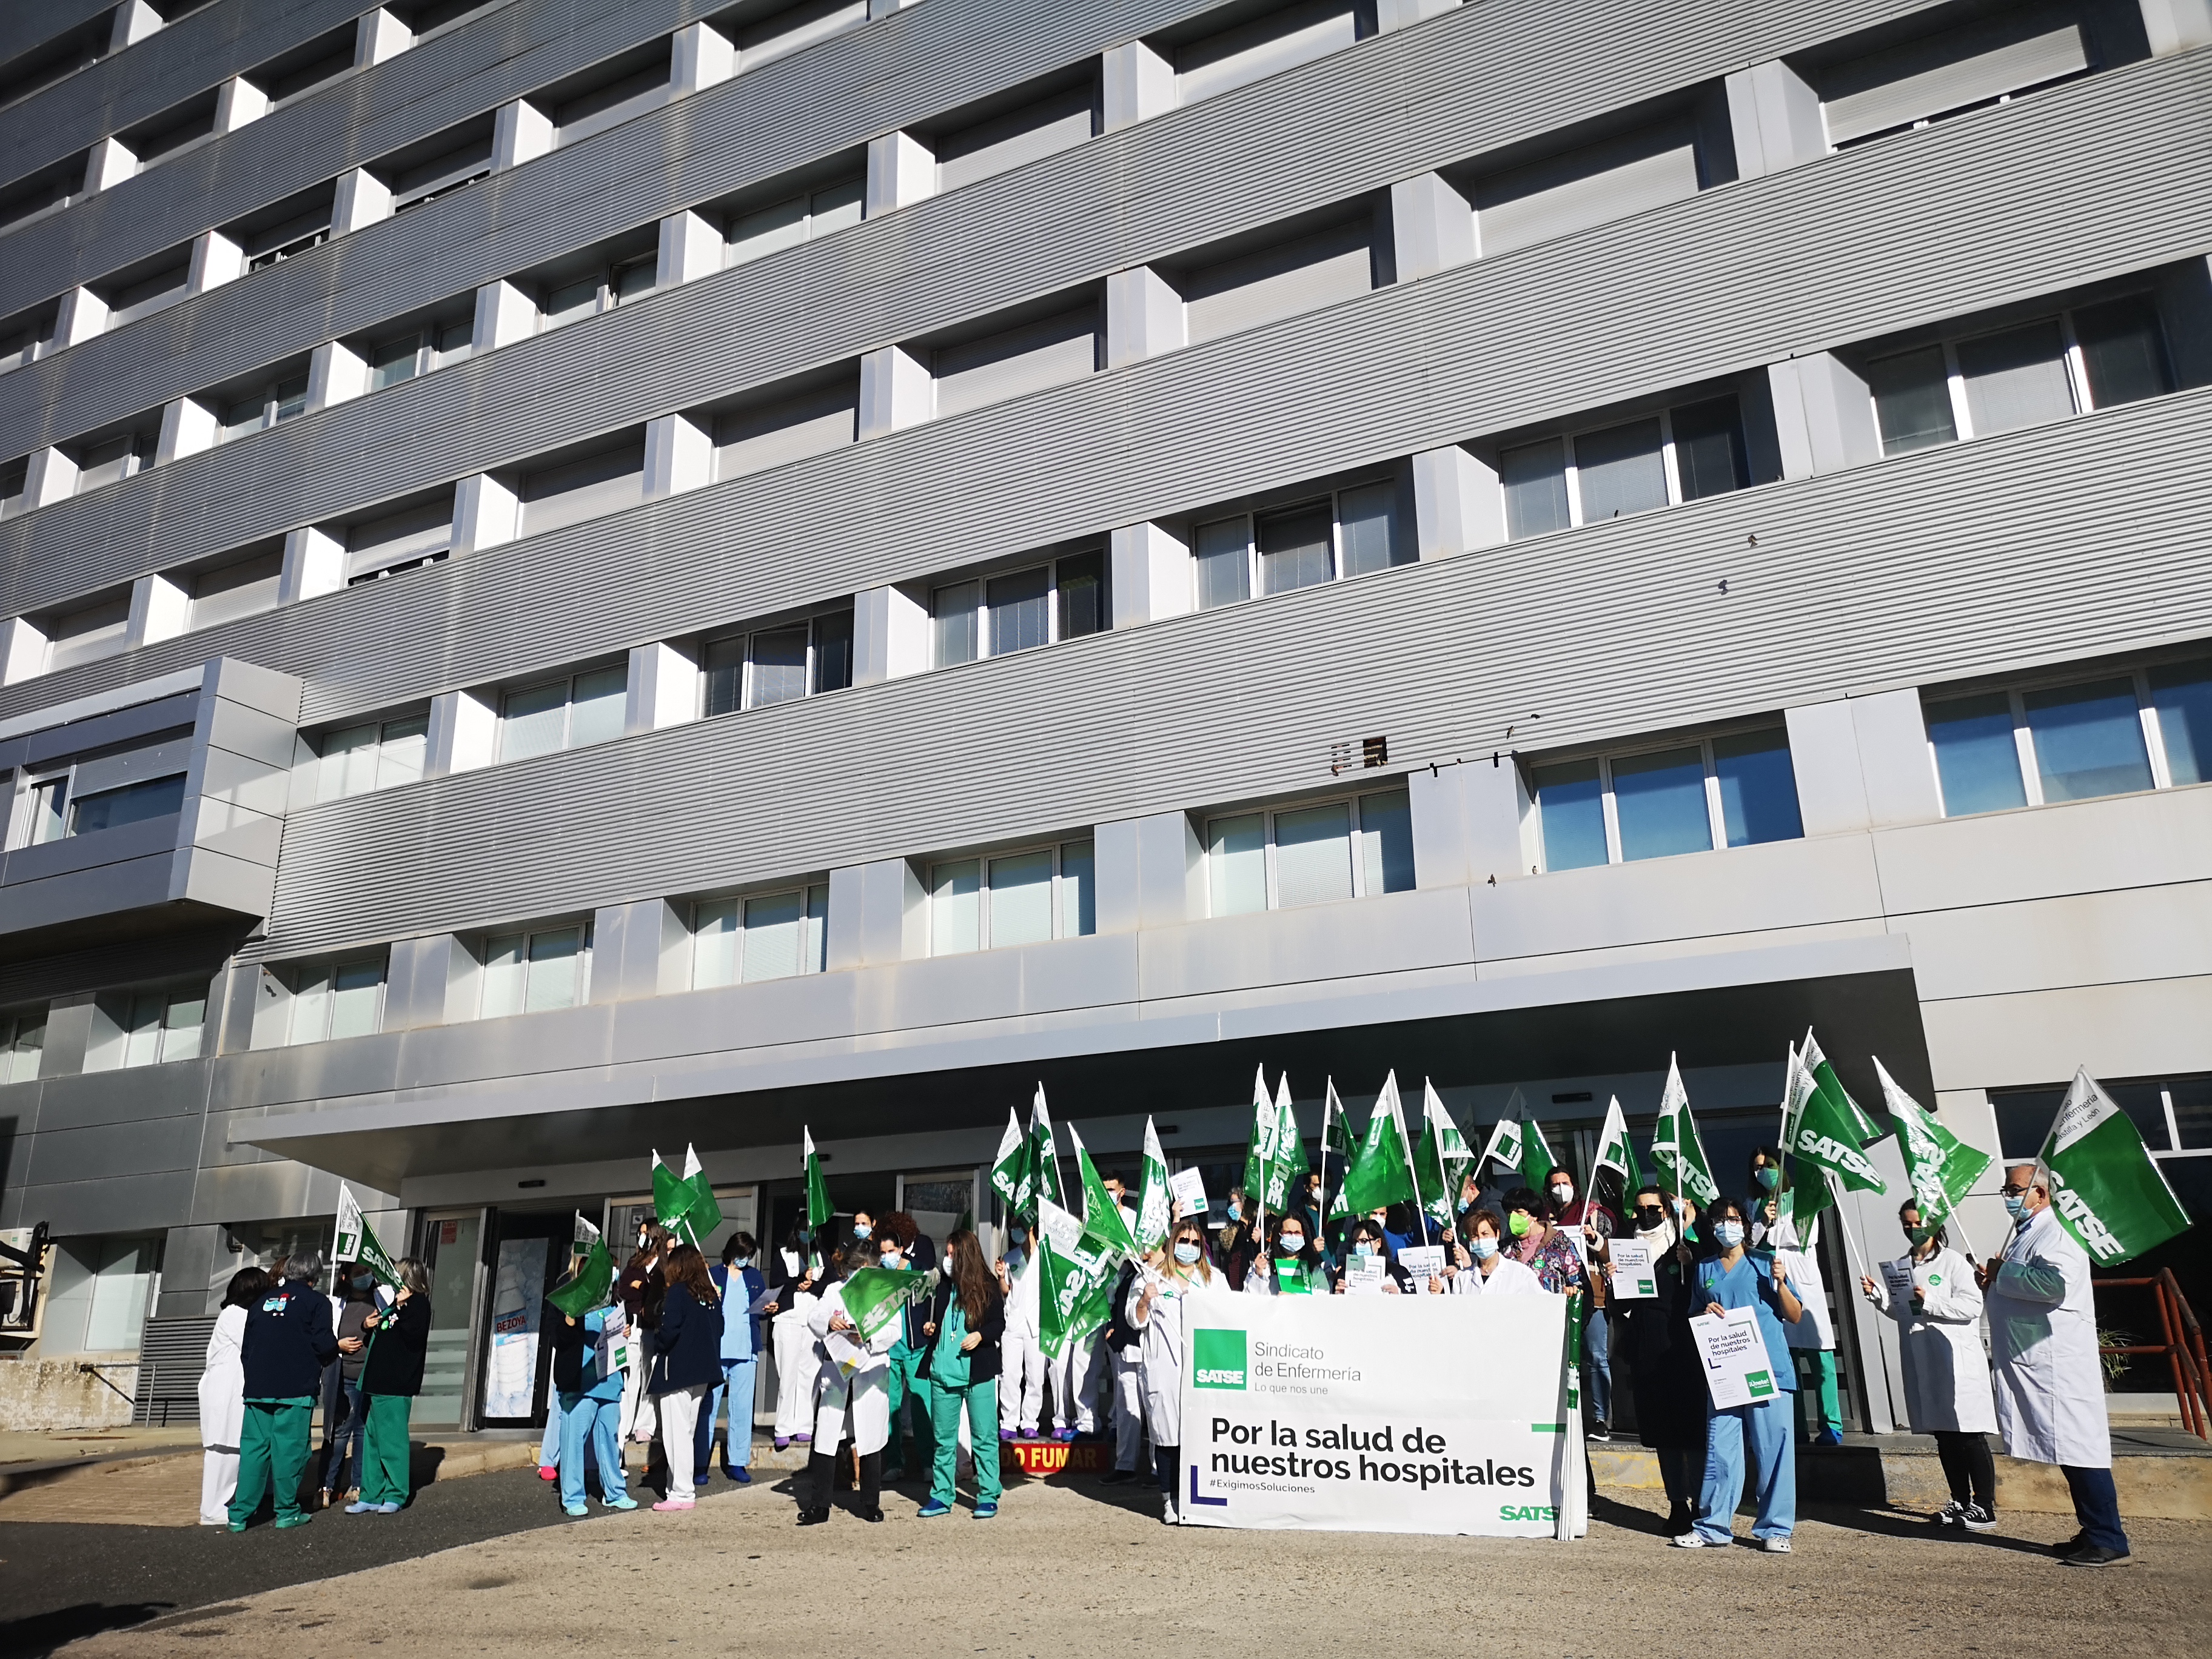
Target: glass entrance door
(533, 1247)
(453, 1250)
(939, 1201)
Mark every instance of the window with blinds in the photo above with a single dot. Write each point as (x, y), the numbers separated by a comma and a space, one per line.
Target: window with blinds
(1283, 858)
(1996, 56)
(575, 486)
(1258, 280)
(1021, 897)
(1619, 468)
(1024, 356)
(397, 536)
(1587, 186)
(241, 586)
(1278, 38)
(786, 423)
(1350, 531)
(1732, 789)
(997, 616)
(760, 936)
(1025, 125)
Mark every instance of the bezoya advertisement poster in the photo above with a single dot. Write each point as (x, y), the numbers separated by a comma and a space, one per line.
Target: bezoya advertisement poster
(1385, 1413)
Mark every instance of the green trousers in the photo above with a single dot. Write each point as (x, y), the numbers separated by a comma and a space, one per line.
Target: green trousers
(1818, 1407)
(384, 1449)
(272, 1445)
(905, 1386)
(980, 1402)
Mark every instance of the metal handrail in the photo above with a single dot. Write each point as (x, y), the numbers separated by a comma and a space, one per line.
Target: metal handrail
(2183, 1347)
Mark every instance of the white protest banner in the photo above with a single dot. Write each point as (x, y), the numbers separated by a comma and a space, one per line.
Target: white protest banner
(1323, 1412)
(1635, 1278)
(1421, 1262)
(1737, 1370)
(1365, 1275)
(1896, 1277)
(1187, 1188)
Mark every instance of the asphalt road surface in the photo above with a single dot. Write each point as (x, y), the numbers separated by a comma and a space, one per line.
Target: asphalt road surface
(1070, 1571)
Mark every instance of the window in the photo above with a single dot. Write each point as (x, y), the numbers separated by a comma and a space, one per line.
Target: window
(419, 351)
(778, 665)
(375, 755)
(1678, 454)
(2027, 374)
(2147, 728)
(133, 802)
(997, 616)
(396, 538)
(596, 290)
(1349, 532)
(264, 406)
(332, 1000)
(22, 1045)
(769, 936)
(1732, 790)
(109, 460)
(563, 713)
(1288, 857)
(90, 631)
(525, 973)
(12, 484)
(146, 1028)
(238, 588)
(1022, 898)
(795, 219)
(105, 789)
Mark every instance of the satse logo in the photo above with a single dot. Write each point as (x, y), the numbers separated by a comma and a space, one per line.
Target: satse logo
(1218, 1358)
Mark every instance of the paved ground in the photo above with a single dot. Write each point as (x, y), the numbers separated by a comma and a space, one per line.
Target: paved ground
(1069, 1571)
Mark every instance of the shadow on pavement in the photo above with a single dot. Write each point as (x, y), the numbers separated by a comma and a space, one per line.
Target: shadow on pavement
(41, 1633)
(1882, 1523)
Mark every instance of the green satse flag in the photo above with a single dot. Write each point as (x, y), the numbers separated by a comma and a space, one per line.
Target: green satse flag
(1536, 1159)
(1289, 1167)
(702, 1215)
(1808, 1191)
(357, 1243)
(1336, 1152)
(1075, 1296)
(1504, 1145)
(592, 1286)
(1260, 1144)
(1616, 1151)
(1441, 1158)
(672, 1196)
(1684, 1170)
(2107, 1190)
(1825, 1137)
(1941, 1167)
(1103, 1223)
(1154, 1212)
(1011, 1177)
(1044, 1153)
(819, 1210)
(874, 1296)
(1864, 1129)
(1382, 1172)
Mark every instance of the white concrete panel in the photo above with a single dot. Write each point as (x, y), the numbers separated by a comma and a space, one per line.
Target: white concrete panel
(2040, 1037)
(1090, 972)
(2038, 851)
(1393, 933)
(1893, 760)
(1824, 753)
(2090, 939)
(1681, 949)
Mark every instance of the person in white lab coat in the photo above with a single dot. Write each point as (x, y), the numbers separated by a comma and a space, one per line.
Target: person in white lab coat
(1289, 1247)
(791, 1274)
(2050, 1379)
(1156, 1309)
(1947, 1374)
(222, 1397)
(855, 1378)
(1021, 1350)
(1481, 1267)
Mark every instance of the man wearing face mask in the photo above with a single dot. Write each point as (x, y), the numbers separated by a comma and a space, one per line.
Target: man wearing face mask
(1662, 1362)
(1021, 1354)
(2050, 1381)
(1584, 1218)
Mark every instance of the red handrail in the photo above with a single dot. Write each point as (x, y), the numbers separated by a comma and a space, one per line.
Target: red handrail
(2183, 1347)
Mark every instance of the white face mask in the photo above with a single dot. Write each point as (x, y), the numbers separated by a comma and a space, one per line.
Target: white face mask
(1563, 1194)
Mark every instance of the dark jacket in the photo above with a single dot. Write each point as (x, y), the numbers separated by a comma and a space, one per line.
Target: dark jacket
(687, 1344)
(1120, 1335)
(567, 1343)
(349, 1318)
(642, 1290)
(786, 1282)
(1664, 1372)
(288, 1339)
(396, 1350)
(983, 1357)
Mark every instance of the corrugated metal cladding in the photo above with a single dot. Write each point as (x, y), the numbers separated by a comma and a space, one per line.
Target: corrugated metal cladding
(25, 26)
(2064, 541)
(1103, 206)
(1934, 224)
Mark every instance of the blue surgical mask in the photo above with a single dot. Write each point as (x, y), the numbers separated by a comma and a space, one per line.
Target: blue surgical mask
(2015, 1204)
(1291, 1243)
(1187, 1253)
(891, 1259)
(1484, 1247)
(1767, 1176)
(1728, 1234)
(861, 1230)
(1363, 1248)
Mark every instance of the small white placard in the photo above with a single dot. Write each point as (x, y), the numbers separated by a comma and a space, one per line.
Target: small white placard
(1635, 1276)
(1187, 1188)
(1738, 1371)
(1420, 1261)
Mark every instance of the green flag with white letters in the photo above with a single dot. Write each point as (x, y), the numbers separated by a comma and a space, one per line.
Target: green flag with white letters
(2107, 1189)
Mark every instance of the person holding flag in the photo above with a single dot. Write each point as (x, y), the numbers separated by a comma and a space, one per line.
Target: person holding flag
(1021, 1358)
(793, 1275)
(1292, 1265)
(390, 1377)
(1536, 1242)
(1663, 1367)
(1811, 1339)
(1487, 1270)
(585, 1325)
(855, 1377)
(1947, 1375)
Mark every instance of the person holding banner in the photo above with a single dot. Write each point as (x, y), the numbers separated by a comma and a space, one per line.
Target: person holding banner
(223, 1396)
(1293, 1267)
(959, 1374)
(1735, 1278)
(1931, 1293)
(1155, 1308)
(2050, 1378)
(398, 1343)
(1487, 1270)
(1595, 1223)
(1813, 1341)
(1663, 1368)
(855, 1375)
(1370, 1244)
(1539, 1244)
(687, 1362)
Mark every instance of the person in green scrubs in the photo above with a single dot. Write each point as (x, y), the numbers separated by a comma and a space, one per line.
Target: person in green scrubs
(967, 1318)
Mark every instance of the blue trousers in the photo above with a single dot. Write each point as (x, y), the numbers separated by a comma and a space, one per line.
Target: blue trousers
(2096, 1506)
(737, 1451)
(600, 1421)
(1765, 1427)
(549, 1443)
(1597, 1365)
(343, 1473)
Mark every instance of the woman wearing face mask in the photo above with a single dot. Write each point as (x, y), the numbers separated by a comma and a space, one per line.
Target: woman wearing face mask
(343, 1408)
(855, 1380)
(1589, 1223)
(223, 1396)
(1813, 1339)
(1537, 1244)
(1735, 1278)
(643, 1286)
(960, 1373)
(390, 1377)
(1663, 1367)
(1291, 1264)
(791, 1274)
(1156, 1309)
(1369, 1239)
(1947, 1375)
(1483, 1267)
(1021, 1358)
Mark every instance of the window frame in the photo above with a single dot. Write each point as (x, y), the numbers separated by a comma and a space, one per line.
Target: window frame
(482, 945)
(1715, 813)
(1065, 901)
(1055, 634)
(324, 764)
(1291, 503)
(609, 293)
(1670, 458)
(1354, 800)
(811, 622)
(272, 406)
(812, 951)
(29, 783)
(569, 741)
(2016, 693)
(14, 1027)
(427, 359)
(171, 996)
(294, 972)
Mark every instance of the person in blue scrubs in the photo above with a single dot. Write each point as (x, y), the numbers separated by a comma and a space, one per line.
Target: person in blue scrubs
(1735, 1278)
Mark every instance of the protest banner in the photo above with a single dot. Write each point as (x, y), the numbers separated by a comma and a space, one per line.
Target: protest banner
(1421, 1262)
(1365, 1275)
(1635, 1278)
(1738, 1371)
(1321, 1412)
(1896, 1276)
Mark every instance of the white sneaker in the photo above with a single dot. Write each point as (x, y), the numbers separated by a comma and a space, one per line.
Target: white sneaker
(1775, 1546)
(1691, 1539)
